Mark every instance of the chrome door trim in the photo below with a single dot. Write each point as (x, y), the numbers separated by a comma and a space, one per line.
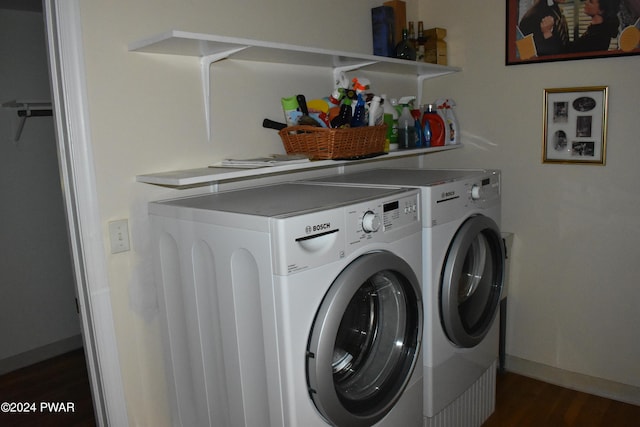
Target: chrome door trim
(325, 330)
(452, 271)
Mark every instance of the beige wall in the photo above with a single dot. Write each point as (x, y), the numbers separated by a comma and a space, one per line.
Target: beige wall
(573, 296)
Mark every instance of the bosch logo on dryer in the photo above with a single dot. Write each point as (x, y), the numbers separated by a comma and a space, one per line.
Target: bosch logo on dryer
(446, 196)
(318, 228)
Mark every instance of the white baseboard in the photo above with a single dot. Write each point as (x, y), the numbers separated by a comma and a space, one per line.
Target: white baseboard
(574, 381)
(39, 354)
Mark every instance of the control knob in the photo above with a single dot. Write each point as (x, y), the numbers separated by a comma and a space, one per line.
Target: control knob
(370, 222)
(476, 192)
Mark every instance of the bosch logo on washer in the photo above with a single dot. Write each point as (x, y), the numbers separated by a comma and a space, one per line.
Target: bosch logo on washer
(318, 228)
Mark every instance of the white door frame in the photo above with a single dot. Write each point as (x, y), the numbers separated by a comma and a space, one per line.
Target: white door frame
(77, 173)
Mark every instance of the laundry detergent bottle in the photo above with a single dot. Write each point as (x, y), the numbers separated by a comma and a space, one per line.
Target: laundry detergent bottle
(446, 111)
(436, 126)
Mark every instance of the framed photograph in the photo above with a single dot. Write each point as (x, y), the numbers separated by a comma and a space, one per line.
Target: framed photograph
(555, 30)
(575, 125)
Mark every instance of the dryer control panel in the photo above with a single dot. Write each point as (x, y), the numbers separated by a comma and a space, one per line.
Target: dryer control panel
(485, 189)
(452, 200)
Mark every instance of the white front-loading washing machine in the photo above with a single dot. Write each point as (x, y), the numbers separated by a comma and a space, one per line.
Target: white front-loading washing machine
(463, 273)
(292, 305)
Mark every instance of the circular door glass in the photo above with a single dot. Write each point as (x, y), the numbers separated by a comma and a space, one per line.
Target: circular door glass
(365, 340)
(472, 281)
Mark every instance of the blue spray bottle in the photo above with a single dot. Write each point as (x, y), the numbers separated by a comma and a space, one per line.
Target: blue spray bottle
(359, 112)
(418, 126)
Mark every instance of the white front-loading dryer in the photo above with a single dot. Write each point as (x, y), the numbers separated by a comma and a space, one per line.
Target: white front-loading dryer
(462, 272)
(292, 305)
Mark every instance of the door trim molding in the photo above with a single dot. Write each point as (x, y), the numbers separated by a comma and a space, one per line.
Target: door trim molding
(77, 173)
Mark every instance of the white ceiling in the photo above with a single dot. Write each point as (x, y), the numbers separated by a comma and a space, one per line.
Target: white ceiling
(30, 5)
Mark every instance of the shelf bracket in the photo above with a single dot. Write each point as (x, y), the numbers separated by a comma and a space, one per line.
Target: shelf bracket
(16, 136)
(26, 109)
(23, 115)
(205, 70)
(421, 79)
(339, 76)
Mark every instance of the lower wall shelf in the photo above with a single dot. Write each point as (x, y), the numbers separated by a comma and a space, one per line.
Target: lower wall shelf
(210, 175)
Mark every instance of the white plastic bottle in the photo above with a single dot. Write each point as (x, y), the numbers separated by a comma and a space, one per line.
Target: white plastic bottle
(445, 108)
(376, 113)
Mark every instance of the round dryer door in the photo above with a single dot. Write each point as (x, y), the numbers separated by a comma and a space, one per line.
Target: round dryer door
(472, 280)
(365, 340)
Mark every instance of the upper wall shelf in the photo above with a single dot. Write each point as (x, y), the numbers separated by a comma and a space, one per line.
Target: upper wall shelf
(205, 45)
(213, 48)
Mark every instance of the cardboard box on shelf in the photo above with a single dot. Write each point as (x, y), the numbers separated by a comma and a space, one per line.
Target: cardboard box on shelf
(435, 48)
(436, 53)
(435, 33)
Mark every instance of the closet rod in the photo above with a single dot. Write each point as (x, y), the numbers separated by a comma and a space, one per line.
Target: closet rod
(35, 113)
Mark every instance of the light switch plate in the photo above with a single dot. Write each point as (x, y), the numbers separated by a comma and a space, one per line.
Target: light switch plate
(119, 236)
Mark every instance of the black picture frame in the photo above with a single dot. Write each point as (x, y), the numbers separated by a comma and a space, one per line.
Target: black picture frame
(525, 43)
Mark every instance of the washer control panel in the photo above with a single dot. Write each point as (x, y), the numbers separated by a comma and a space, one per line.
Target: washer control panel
(372, 221)
(319, 238)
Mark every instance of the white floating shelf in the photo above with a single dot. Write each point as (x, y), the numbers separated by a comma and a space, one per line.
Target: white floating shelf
(212, 175)
(204, 45)
(213, 48)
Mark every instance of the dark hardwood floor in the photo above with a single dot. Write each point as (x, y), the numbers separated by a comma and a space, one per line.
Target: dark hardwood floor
(525, 402)
(520, 401)
(56, 392)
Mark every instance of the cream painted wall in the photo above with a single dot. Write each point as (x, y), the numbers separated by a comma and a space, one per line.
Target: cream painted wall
(146, 115)
(574, 299)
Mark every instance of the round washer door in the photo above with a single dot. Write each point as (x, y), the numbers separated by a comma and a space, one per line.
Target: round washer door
(472, 280)
(365, 340)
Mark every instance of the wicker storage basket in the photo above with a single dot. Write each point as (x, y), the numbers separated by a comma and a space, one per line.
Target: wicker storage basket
(322, 143)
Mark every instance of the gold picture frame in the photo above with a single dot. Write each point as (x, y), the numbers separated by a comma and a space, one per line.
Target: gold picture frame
(575, 125)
